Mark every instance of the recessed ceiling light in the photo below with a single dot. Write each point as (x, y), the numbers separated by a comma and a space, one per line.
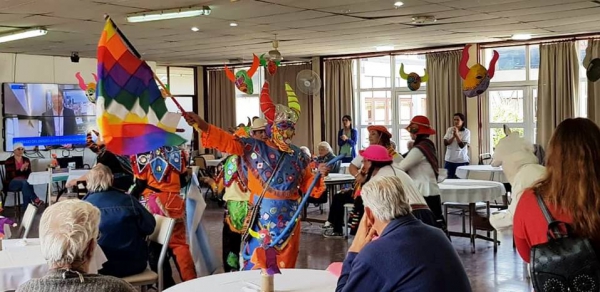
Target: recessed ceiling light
(384, 48)
(195, 28)
(521, 37)
(398, 4)
(233, 24)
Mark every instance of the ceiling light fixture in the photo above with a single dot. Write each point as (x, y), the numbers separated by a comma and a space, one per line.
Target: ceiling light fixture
(384, 48)
(194, 29)
(23, 34)
(521, 37)
(423, 19)
(233, 24)
(398, 4)
(168, 14)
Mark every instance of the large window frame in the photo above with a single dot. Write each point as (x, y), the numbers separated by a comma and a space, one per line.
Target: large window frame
(395, 96)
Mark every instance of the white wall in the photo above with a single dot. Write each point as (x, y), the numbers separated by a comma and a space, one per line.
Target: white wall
(46, 69)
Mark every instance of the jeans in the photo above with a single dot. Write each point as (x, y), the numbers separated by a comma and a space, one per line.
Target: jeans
(21, 184)
(451, 167)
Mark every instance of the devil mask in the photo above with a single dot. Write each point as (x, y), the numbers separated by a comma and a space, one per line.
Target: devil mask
(413, 79)
(90, 88)
(476, 79)
(282, 119)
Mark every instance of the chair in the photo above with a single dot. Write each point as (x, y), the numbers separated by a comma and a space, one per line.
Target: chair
(200, 161)
(5, 191)
(463, 211)
(479, 222)
(485, 158)
(208, 156)
(161, 235)
(27, 221)
(347, 208)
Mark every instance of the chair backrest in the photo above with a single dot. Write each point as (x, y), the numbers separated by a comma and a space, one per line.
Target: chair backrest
(208, 156)
(200, 162)
(27, 221)
(485, 158)
(162, 235)
(3, 172)
(64, 161)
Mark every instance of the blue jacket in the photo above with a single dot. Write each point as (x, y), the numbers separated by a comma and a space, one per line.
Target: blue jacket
(408, 256)
(124, 226)
(351, 140)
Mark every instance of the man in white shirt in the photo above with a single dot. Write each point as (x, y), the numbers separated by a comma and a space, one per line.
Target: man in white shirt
(59, 121)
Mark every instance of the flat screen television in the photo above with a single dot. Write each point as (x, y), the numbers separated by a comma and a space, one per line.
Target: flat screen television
(46, 115)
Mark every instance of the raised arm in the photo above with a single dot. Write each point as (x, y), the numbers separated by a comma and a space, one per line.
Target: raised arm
(214, 137)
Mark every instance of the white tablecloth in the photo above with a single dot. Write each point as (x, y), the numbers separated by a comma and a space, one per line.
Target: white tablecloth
(471, 191)
(213, 162)
(42, 177)
(290, 280)
(337, 178)
(20, 263)
(487, 172)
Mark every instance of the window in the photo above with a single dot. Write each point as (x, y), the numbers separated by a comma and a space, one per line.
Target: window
(581, 101)
(513, 91)
(248, 105)
(180, 81)
(381, 100)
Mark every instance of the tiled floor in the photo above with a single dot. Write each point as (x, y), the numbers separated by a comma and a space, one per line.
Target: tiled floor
(501, 272)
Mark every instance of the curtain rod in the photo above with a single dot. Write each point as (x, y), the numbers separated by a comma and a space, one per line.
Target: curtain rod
(396, 52)
(243, 65)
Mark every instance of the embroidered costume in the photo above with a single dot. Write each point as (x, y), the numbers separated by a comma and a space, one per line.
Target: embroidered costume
(276, 171)
(158, 179)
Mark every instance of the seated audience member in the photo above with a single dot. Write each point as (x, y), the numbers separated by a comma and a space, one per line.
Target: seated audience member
(18, 168)
(325, 155)
(68, 232)
(397, 261)
(124, 225)
(119, 166)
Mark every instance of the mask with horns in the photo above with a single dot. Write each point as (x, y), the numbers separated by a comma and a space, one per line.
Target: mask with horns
(476, 79)
(90, 88)
(413, 79)
(243, 78)
(282, 119)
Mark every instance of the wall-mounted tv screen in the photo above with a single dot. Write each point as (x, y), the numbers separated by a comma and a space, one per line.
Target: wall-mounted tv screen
(46, 115)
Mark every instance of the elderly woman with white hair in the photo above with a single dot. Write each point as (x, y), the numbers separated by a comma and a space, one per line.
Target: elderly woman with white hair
(399, 260)
(68, 232)
(325, 154)
(124, 225)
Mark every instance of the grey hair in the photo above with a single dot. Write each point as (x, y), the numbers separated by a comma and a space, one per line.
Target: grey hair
(66, 230)
(99, 178)
(326, 145)
(306, 150)
(385, 196)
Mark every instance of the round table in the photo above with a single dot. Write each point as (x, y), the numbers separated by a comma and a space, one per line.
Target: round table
(470, 190)
(21, 262)
(290, 280)
(495, 173)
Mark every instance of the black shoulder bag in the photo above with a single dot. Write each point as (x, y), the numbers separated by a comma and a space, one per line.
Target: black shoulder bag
(565, 262)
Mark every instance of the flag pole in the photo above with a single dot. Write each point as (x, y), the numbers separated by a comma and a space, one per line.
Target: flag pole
(137, 54)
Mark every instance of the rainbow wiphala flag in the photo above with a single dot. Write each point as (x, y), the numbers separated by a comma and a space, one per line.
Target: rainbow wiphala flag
(131, 112)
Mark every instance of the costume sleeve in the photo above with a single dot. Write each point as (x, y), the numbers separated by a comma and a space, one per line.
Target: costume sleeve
(414, 157)
(319, 188)
(221, 140)
(356, 276)
(520, 234)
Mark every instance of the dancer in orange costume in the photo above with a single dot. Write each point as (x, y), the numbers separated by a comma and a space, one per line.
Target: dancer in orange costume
(277, 170)
(158, 178)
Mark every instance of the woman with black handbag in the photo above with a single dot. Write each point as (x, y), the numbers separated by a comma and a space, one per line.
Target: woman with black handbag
(557, 221)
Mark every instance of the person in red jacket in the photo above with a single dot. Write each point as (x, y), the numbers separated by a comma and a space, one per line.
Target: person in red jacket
(570, 188)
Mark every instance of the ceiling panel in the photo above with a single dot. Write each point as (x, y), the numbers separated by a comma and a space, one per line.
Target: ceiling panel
(304, 28)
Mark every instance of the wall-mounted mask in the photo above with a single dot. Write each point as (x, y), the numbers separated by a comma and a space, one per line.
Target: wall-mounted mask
(243, 78)
(90, 88)
(476, 79)
(413, 79)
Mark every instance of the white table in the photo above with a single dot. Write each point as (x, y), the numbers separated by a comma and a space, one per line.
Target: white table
(290, 280)
(213, 162)
(44, 177)
(470, 190)
(338, 178)
(20, 263)
(344, 167)
(495, 173)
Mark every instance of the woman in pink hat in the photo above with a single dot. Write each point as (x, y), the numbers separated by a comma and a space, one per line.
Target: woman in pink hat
(421, 164)
(378, 162)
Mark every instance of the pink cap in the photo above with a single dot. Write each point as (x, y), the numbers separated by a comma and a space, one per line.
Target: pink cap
(376, 153)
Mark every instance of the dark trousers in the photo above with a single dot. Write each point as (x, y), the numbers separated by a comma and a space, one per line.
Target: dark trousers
(154, 249)
(336, 212)
(232, 242)
(435, 205)
(451, 167)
